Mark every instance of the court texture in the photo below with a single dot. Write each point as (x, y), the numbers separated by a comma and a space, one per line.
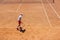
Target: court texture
(40, 19)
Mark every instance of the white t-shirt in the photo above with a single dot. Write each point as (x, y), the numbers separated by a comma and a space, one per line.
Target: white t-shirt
(19, 17)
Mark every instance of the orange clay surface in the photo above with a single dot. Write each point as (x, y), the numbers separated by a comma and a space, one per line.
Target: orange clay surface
(41, 21)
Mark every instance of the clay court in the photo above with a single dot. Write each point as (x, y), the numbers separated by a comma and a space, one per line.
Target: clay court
(41, 21)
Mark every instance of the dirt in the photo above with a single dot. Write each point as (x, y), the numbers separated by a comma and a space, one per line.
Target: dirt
(35, 21)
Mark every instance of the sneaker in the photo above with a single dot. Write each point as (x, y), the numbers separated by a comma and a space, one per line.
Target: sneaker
(17, 28)
(22, 31)
(20, 28)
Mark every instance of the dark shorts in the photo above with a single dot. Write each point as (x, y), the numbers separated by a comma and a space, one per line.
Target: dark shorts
(19, 22)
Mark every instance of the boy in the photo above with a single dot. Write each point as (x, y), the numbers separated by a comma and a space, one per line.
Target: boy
(19, 23)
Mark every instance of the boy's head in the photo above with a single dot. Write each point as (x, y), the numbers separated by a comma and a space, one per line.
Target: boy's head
(21, 14)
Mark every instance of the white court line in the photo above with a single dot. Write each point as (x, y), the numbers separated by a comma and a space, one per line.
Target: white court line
(54, 9)
(17, 10)
(19, 7)
(46, 14)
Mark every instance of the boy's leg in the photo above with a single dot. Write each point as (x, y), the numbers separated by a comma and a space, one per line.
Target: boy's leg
(20, 28)
(18, 25)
